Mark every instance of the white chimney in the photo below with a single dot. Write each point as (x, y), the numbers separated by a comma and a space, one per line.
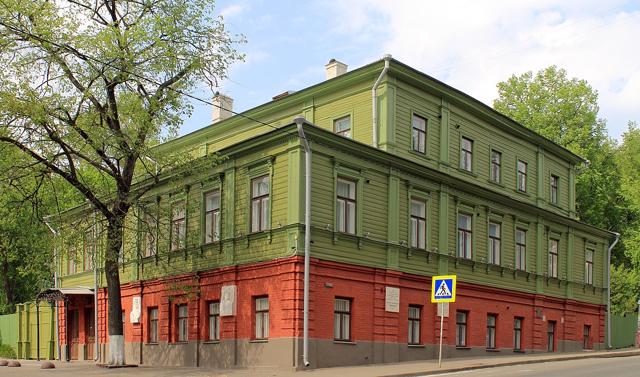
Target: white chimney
(222, 107)
(335, 68)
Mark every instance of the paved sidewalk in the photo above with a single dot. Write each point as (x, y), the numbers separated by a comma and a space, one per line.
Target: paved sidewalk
(417, 368)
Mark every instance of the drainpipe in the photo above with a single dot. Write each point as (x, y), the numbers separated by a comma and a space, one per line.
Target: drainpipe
(609, 289)
(55, 283)
(307, 239)
(374, 99)
(96, 349)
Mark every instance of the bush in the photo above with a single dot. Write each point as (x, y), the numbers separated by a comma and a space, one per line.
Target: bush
(7, 352)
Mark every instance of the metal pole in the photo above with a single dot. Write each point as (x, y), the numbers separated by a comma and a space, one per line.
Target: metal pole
(441, 307)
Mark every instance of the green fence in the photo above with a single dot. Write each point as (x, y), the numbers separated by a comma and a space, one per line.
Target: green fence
(20, 331)
(623, 330)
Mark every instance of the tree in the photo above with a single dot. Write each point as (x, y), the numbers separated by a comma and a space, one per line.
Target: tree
(565, 110)
(89, 88)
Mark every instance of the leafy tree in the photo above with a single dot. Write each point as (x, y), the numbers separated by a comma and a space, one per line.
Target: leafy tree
(88, 89)
(625, 285)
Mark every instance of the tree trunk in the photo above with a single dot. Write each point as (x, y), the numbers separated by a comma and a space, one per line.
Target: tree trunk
(115, 229)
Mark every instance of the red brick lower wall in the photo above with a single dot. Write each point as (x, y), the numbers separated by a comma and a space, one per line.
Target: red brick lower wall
(281, 281)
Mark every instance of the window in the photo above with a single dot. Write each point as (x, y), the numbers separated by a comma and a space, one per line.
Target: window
(153, 325)
(178, 226)
(183, 329)
(461, 329)
(260, 203)
(72, 264)
(346, 206)
(491, 331)
(588, 266)
(418, 133)
(342, 319)
(586, 336)
(464, 236)
(214, 320)
(150, 224)
(551, 335)
(212, 217)
(466, 154)
(521, 249)
(522, 176)
(342, 126)
(553, 258)
(517, 333)
(89, 249)
(554, 189)
(413, 335)
(494, 243)
(496, 166)
(418, 224)
(262, 317)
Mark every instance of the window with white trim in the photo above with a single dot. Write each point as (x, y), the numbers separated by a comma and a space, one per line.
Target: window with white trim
(553, 258)
(588, 266)
(342, 319)
(494, 242)
(346, 206)
(521, 249)
(496, 166)
(466, 154)
(212, 216)
(464, 236)
(214, 320)
(418, 133)
(522, 176)
(178, 226)
(413, 334)
(418, 224)
(260, 203)
(342, 126)
(261, 317)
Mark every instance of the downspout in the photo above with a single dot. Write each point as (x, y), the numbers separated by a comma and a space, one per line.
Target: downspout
(374, 99)
(609, 289)
(55, 284)
(96, 349)
(307, 239)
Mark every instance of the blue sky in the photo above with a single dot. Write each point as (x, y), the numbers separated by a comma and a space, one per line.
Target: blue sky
(470, 45)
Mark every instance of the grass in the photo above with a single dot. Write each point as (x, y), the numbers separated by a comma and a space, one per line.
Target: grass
(7, 352)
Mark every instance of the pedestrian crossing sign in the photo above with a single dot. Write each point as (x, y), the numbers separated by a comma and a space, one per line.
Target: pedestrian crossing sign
(443, 288)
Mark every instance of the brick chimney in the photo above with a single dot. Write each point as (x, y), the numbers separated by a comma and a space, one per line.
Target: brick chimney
(222, 107)
(335, 68)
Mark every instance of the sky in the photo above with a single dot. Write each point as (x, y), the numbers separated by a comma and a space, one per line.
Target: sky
(470, 45)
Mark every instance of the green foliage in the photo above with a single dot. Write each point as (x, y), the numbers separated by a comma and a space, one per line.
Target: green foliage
(7, 352)
(625, 285)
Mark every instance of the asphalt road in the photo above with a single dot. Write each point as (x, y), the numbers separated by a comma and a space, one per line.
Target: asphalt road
(611, 367)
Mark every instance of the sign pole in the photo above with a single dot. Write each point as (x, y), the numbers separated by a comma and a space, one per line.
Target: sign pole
(441, 307)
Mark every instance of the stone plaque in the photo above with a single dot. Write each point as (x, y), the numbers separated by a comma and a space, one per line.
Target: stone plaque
(392, 300)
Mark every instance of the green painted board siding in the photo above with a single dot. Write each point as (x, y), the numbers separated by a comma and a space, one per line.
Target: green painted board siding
(9, 330)
(624, 330)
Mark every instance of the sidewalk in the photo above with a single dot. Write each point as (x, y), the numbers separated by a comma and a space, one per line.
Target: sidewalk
(31, 368)
(455, 365)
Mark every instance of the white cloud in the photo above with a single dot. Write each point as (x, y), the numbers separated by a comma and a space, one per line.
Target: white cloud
(233, 10)
(474, 45)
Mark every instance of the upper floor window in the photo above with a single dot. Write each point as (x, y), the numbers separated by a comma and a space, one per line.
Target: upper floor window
(466, 154)
(342, 319)
(553, 258)
(346, 206)
(260, 203)
(554, 189)
(72, 264)
(496, 166)
(522, 176)
(521, 249)
(342, 126)
(261, 317)
(413, 336)
(89, 250)
(150, 234)
(418, 133)
(464, 235)
(178, 226)
(212, 217)
(588, 266)
(418, 224)
(494, 242)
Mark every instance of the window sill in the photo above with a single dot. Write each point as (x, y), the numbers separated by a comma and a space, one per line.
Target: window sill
(151, 344)
(348, 342)
(518, 351)
(496, 183)
(259, 341)
(211, 342)
(415, 345)
(423, 155)
(522, 192)
(467, 172)
(492, 350)
(463, 348)
(180, 343)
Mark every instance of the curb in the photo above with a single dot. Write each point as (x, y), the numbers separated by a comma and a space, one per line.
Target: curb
(521, 362)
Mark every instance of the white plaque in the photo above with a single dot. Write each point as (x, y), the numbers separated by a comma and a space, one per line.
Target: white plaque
(392, 300)
(136, 310)
(443, 309)
(228, 300)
